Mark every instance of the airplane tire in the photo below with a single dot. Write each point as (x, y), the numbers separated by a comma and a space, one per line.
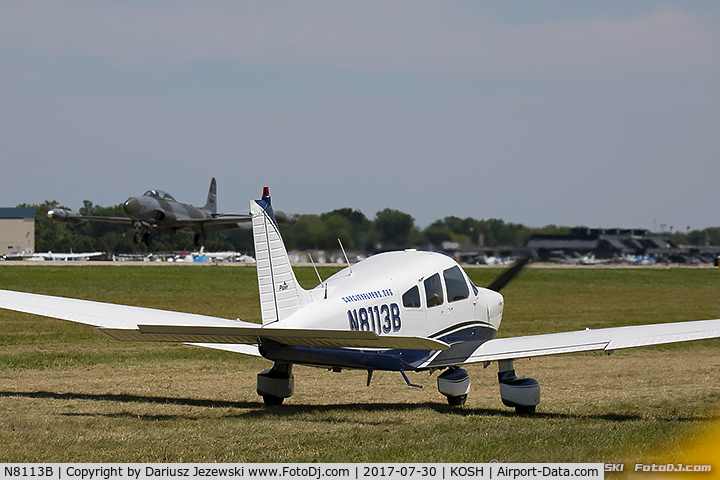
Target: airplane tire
(457, 401)
(147, 238)
(272, 401)
(525, 409)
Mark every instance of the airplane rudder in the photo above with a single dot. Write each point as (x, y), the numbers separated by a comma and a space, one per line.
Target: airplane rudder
(280, 293)
(211, 204)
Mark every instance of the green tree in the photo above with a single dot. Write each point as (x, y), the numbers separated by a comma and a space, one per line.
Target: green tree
(394, 227)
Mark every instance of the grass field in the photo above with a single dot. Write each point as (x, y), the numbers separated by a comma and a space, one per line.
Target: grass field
(69, 395)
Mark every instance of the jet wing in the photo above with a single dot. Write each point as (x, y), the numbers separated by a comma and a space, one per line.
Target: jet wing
(228, 219)
(217, 220)
(210, 224)
(99, 218)
(129, 323)
(606, 339)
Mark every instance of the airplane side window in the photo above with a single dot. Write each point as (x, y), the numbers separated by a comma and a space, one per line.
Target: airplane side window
(411, 298)
(433, 291)
(457, 288)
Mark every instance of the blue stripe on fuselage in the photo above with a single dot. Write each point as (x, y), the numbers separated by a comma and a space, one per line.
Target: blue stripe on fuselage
(463, 342)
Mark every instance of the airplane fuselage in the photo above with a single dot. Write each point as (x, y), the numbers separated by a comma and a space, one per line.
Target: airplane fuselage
(166, 215)
(406, 293)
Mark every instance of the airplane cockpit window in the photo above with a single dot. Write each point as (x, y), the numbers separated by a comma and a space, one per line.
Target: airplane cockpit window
(457, 288)
(433, 291)
(411, 298)
(159, 194)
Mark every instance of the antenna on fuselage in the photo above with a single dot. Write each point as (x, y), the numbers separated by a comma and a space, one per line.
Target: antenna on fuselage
(345, 255)
(316, 270)
(317, 273)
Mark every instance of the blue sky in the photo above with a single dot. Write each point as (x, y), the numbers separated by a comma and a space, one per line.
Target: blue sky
(605, 114)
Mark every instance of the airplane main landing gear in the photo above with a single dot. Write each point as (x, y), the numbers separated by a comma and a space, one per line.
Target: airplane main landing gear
(454, 383)
(199, 238)
(276, 384)
(142, 235)
(521, 393)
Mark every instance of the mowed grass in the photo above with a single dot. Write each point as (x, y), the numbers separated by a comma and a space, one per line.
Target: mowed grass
(70, 395)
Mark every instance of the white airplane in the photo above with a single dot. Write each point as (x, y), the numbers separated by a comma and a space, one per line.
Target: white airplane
(398, 311)
(64, 257)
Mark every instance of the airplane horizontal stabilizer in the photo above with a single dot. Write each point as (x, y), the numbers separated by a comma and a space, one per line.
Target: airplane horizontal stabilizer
(607, 339)
(251, 333)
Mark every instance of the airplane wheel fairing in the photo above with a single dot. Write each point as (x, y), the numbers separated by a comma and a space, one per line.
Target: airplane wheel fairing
(454, 383)
(276, 384)
(523, 394)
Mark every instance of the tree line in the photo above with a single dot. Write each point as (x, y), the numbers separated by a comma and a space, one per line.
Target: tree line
(387, 230)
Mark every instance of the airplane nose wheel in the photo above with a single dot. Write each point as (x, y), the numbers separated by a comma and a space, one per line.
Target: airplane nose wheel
(454, 383)
(142, 235)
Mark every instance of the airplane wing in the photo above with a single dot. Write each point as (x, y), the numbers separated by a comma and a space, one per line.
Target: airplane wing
(99, 218)
(129, 323)
(231, 219)
(211, 224)
(606, 339)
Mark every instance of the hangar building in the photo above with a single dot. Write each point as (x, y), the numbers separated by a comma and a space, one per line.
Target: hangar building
(17, 231)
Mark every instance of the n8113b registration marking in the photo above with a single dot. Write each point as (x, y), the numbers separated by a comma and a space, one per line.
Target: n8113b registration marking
(377, 318)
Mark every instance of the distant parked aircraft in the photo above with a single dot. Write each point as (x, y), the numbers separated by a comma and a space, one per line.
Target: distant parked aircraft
(65, 257)
(157, 210)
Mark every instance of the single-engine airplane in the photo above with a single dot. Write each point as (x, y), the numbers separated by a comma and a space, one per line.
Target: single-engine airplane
(158, 210)
(397, 311)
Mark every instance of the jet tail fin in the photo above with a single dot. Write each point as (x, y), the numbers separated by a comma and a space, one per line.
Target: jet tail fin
(211, 204)
(280, 293)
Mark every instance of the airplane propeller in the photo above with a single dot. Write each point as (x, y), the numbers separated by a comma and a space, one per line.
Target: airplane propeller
(511, 272)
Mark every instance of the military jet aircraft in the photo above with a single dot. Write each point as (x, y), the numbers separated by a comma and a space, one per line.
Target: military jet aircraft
(157, 210)
(397, 311)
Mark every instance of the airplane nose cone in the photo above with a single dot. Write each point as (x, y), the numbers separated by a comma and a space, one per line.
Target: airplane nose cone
(131, 207)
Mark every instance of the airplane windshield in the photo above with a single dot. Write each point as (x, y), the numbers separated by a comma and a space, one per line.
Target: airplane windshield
(159, 194)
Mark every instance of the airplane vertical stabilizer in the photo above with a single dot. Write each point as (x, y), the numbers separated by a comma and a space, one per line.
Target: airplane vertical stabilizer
(280, 293)
(211, 204)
